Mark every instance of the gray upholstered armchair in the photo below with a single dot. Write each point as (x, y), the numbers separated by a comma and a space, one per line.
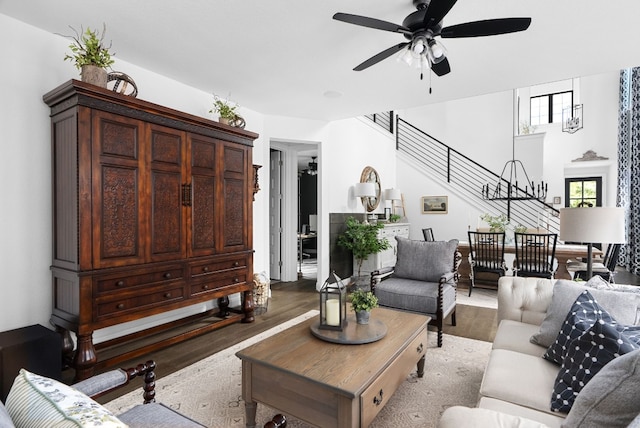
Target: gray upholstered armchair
(423, 280)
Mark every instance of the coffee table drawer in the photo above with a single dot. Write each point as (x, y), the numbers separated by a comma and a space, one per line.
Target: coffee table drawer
(374, 398)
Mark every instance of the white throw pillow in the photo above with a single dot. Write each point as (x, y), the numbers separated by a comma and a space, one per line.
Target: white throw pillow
(36, 401)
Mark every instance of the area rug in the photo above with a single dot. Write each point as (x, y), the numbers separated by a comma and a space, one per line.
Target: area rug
(483, 297)
(209, 391)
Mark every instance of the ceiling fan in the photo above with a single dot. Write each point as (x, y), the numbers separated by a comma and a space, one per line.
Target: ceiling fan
(422, 26)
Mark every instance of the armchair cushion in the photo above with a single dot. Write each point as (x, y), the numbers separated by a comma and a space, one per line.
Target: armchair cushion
(415, 296)
(424, 260)
(36, 401)
(156, 415)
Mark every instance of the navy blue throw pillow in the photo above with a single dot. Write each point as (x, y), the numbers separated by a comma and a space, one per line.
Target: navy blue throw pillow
(588, 354)
(583, 314)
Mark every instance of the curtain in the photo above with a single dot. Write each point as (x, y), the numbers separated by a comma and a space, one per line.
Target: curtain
(629, 166)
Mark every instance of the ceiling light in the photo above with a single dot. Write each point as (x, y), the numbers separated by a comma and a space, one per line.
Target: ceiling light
(313, 166)
(436, 52)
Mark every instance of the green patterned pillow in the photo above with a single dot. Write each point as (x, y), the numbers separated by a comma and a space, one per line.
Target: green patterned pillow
(36, 401)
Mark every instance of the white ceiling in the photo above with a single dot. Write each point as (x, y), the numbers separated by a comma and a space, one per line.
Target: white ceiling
(279, 57)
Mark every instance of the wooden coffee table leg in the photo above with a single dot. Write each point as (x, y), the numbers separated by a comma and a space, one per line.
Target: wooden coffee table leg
(421, 366)
(250, 408)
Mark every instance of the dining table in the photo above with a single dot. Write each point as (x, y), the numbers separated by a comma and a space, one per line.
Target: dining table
(564, 252)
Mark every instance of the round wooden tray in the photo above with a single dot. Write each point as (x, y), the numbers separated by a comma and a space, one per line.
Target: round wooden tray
(353, 334)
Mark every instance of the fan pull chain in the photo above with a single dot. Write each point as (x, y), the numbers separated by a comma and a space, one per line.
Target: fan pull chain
(430, 76)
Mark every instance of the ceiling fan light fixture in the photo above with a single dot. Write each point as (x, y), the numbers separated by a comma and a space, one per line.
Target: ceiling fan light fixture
(419, 46)
(436, 52)
(406, 56)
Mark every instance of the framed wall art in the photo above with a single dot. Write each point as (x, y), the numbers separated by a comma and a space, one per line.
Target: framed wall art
(435, 204)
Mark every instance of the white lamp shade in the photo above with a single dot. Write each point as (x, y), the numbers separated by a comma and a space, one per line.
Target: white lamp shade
(592, 225)
(392, 194)
(364, 190)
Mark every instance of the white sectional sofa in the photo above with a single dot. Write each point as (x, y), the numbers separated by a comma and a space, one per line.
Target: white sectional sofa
(518, 383)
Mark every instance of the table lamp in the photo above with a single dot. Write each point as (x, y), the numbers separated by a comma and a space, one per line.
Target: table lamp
(392, 195)
(592, 225)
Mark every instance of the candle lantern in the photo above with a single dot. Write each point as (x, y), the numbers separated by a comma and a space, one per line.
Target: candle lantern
(333, 304)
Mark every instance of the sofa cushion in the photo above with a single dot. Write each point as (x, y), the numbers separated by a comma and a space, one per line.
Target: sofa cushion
(586, 356)
(514, 336)
(36, 401)
(424, 260)
(416, 296)
(459, 416)
(552, 420)
(565, 292)
(526, 380)
(582, 315)
(611, 398)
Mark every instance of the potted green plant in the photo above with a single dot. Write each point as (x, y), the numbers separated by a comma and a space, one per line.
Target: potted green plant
(362, 302)
(496, 223)
(225, 109)
(394, 218)
(90, 55)
(362, 239)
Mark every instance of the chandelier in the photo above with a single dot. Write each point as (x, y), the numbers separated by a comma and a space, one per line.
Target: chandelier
(313, 167)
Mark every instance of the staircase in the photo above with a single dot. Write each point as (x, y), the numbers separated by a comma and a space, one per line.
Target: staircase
(466, 177)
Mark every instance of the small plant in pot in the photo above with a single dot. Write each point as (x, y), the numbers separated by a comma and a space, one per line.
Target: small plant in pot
(226, 110)
(362, 239)
(90, 55)
(362, 302)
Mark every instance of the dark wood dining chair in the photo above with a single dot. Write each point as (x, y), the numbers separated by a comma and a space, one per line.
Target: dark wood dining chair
(486, 250)
(606, 269)
(428, 234)
(535, 254)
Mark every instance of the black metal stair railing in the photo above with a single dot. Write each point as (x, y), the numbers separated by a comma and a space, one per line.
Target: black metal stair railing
(467, 177)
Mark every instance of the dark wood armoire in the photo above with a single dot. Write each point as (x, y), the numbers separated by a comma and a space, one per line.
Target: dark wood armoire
(152, 211)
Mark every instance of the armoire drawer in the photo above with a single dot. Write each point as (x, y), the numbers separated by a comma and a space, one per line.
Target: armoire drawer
(121, 281)
(217, 265)
(207, 285)
(374, 398)
(139, 301)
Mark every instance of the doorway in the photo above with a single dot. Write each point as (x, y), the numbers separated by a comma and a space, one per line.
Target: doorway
(294, 211)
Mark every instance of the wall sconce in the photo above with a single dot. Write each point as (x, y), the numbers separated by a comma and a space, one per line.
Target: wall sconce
(364, 191)
(333, 304)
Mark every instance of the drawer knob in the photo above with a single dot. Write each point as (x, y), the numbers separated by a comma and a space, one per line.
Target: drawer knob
(120, 283)
(205, 269)
(120, 306)
(167, 275)
(167, 295)
(420, 348)
(205, 287)
(377, 400)
(236, 264)
(236, 280)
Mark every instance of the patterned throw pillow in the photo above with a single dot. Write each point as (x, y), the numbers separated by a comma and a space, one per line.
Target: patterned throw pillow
(586, 355)
(583, 314)
(36, 401)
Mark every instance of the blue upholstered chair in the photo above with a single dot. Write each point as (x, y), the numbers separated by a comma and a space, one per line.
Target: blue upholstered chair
(424, 280)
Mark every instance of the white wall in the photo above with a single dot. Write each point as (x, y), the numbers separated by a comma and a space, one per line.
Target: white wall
(481, 128)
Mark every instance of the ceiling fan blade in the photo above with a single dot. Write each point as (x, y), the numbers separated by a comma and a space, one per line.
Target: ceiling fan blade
(489, 27)
(441, 68)
(382, 55)
(371, 23)
(437, 10)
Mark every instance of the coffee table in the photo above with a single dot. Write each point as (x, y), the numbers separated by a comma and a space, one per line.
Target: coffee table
(329, 384)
